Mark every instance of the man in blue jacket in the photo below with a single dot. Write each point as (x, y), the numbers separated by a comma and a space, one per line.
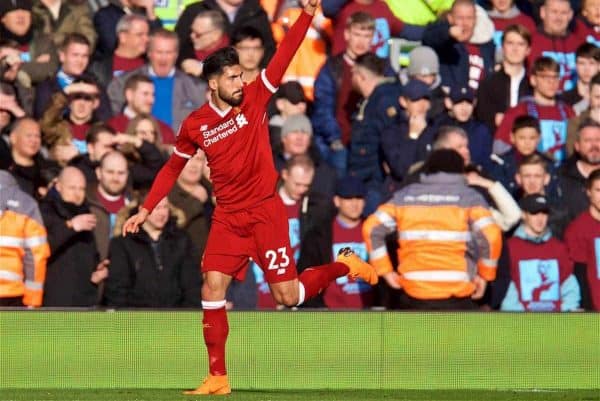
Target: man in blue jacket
(377, 111)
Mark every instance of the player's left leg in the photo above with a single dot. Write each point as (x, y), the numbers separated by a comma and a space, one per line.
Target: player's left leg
(274, 256)
(314, 280)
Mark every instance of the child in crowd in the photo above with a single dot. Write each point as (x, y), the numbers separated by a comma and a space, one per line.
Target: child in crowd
(540, 268)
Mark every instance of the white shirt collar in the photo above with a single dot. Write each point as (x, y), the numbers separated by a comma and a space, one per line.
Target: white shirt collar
(153, 74)
(221, 113)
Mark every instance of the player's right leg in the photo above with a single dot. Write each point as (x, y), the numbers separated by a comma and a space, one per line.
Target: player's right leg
(215, 329)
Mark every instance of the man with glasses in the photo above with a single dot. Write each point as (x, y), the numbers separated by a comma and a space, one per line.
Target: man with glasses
(207, 35)
(543, 105)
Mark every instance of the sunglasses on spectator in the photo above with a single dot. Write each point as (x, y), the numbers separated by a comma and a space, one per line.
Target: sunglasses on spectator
(83, 96)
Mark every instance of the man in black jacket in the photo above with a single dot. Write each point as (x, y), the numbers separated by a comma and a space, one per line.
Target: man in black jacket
(573, 175)
(156, 268)
(73, 273)
(503, 88)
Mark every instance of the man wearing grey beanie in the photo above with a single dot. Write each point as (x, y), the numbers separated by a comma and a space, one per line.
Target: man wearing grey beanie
(296, 140)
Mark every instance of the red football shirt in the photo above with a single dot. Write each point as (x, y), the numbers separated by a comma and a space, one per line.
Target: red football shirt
(583, 240)
(235, 140)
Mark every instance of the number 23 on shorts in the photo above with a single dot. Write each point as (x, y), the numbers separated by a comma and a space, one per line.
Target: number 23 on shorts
(278, 259)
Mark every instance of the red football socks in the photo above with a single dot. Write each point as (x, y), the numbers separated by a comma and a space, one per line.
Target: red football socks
(216, 329)
(316, 279)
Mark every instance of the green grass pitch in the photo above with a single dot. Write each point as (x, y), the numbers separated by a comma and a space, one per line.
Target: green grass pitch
(244, 395)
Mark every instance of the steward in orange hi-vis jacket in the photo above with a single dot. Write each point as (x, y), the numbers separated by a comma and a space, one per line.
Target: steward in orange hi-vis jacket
(446, 237)
(24, 248)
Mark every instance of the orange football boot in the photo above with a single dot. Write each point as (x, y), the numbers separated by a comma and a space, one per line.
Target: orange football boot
(358, 267)
(212, 385)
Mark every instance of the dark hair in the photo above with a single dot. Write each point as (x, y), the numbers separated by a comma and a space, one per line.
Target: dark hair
(586, 123)
(519, 30)
(588, 50)
(526, 121)
(87, 79)
(217, 19)
(132, 81)
(594, 176)
(544, 64)
(444, 161)
(535, 159)
(595, 80)
(74, 37)
(371, 62)
(217, 61)
(92, 135)
(246, 32)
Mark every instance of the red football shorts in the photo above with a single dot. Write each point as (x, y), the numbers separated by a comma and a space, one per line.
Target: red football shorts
(260, 233)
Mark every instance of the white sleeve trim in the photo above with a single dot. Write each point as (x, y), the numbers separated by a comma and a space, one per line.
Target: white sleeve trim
(181, 154)
(263, 77)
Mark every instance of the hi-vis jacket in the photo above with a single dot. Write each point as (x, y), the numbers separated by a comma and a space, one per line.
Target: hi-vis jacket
(446, 236)
(23, 245)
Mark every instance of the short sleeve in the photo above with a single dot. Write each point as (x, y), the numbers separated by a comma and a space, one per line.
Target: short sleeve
(184, 146)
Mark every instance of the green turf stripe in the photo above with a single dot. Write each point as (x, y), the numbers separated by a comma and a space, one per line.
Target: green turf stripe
(302, 350)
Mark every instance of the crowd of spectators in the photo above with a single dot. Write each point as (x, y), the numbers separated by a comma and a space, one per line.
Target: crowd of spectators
(468, 175)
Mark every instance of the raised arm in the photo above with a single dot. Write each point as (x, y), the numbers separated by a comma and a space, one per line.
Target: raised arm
(290, 43)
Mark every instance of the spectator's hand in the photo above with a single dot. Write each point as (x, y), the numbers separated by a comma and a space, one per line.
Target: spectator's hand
(122, 139)
(417, 124)
(132, 225)
(595, 113)
(148, 5)
(9, 103)
(498, 119)
(80, 87)
(480, 285)
(310, 6)
(64, 153)
(43, 58)
(393, 280)
(200, 193)
(337, 145)
(13, 61)
(83, 222)
(101, 272)
(456, 32)
(475, 179)
(9, 51)
(192, 67)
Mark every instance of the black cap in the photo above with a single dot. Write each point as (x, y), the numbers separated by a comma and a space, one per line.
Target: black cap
(7, 6)
(444, 161)
(415, 90)
(350, 187)
(460, 93)
(535, 203)
(291, 91)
